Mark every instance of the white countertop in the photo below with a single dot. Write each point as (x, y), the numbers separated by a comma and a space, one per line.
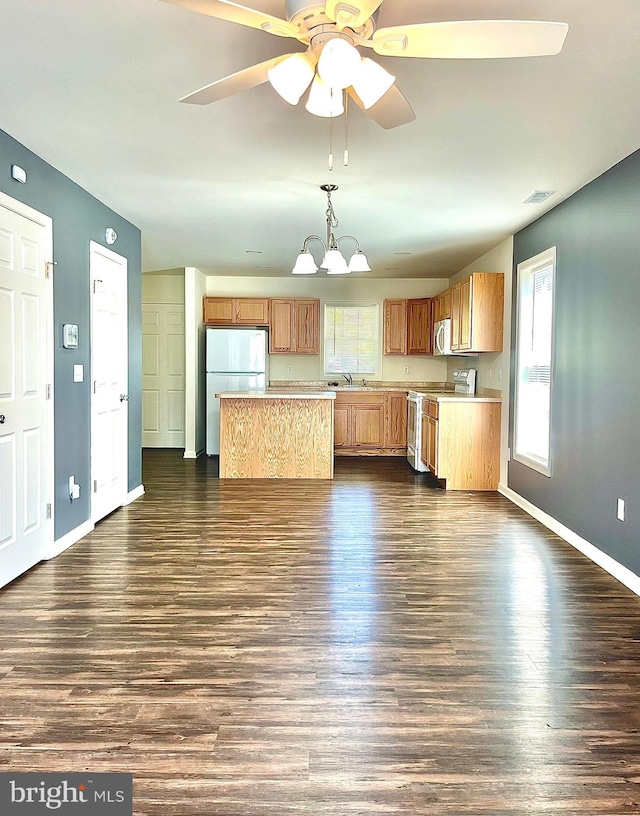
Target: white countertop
(261, 395)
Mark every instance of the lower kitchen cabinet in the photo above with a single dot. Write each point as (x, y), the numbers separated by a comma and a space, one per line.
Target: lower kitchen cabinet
(370, 422)
(461, 443)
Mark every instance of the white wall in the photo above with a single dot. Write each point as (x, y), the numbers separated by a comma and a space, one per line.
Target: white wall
(162, 288)
(194, 287)
(351, 290)
(494, 370)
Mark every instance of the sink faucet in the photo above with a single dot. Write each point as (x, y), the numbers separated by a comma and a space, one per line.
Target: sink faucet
(348, 378)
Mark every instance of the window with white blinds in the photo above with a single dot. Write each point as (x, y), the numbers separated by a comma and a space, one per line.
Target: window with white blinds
(534, 354)
(350, 339)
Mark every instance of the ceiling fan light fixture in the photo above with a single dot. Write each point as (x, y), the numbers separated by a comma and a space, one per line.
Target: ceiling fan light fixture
(324, 100)
(359, 262)
(335, 263)
(291, 77)
(304, 265)
(339, 63)
(372, 82)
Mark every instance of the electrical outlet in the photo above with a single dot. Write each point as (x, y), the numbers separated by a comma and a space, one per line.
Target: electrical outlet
(490, 373)
(620, 510)
(289, 369)
(499, 375)
(406, 369)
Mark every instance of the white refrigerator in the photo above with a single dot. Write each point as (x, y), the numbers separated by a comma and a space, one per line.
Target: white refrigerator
(236, 361)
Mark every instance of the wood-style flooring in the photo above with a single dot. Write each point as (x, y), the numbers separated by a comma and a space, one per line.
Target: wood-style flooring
(366, 646)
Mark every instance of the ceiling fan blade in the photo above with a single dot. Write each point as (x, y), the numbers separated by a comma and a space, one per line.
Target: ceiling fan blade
(235, 13)
(234, 83)
(354, 13)
(391, 111)
(472, 39)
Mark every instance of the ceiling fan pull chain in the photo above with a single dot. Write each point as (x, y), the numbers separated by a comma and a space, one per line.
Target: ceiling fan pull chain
(330, 143)
(346, 129)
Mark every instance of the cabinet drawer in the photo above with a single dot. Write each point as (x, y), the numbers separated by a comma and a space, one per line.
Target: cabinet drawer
(359, 398)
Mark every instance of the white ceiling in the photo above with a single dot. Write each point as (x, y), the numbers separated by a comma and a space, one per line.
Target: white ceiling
(93, 88)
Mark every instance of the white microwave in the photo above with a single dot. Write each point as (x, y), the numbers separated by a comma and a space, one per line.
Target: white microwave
(442, 337)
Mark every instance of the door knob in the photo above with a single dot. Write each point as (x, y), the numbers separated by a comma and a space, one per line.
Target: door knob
(124, 398)
(2, 419)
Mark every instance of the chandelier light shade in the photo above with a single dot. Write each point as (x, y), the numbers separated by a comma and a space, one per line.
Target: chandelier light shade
(305, 265)
(371, 82)
(324, 100)
(339, 63)
(333, 260)
(291, 77)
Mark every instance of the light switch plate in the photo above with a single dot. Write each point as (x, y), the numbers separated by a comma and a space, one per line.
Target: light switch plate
(78, 373)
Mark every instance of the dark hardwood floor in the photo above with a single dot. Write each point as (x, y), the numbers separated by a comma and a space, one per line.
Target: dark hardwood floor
(368, 646)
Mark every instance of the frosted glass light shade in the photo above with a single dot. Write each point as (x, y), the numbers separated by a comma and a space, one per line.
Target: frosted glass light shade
(335, 263)
(371, 82)
(339, 63)
(324, 100)
(305, 265)
(359, 262)
(291, 77)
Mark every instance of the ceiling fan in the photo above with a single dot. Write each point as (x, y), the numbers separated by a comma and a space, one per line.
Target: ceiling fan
(334, 30)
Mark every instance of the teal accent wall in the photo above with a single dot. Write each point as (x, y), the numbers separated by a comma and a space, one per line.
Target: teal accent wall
(595, 426)
(78, 218)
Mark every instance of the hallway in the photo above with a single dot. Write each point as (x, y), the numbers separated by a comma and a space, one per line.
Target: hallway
(370, 645)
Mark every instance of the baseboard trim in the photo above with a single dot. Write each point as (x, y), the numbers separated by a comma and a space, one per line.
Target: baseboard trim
(193, 454)
(606, 562)
(134, 494)
(70, 538)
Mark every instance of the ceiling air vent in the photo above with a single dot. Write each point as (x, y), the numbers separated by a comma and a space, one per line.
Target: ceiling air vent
(538, 196)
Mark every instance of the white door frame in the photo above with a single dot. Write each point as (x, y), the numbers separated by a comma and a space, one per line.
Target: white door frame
(46, 222)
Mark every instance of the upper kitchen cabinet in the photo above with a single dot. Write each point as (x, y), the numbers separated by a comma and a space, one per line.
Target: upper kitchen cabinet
(477, 307)
(407, 326)
(294, 326)
(225, 311)
(442, 306)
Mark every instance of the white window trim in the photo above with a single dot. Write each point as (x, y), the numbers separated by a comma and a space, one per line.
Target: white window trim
(347, 305)
(527, 267)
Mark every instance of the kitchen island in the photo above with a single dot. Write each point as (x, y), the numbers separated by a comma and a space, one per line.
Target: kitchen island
(276, 435)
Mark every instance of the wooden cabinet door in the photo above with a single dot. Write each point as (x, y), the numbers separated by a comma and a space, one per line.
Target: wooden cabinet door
(341, 426)
(219, 311)
(367, 428)
(465, 315)
(419, 326)
(307, 327)
(281, 326)
(395, 327)
(455, 317)
(395, 420)
(430, 431)
(443, 308)
(252, 311)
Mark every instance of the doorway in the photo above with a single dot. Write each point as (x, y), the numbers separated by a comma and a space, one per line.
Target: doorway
(26, 383)
(109, 381)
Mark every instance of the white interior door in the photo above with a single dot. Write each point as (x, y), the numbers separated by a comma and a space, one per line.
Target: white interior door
(109, 379)
(163, 379)
(26, 379)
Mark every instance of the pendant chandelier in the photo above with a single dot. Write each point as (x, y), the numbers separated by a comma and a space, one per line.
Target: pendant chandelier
(333, 261)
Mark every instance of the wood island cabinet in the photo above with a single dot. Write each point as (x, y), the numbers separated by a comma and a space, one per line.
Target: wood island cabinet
(294, 326)
(370, 422)
(407, 326)
(461, 443)
(225, 311)
(477, 306)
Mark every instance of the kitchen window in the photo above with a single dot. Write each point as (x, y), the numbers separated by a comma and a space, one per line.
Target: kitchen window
(351, 339)
(534, 357)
